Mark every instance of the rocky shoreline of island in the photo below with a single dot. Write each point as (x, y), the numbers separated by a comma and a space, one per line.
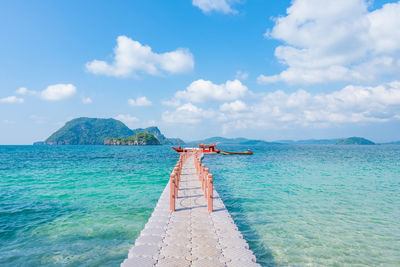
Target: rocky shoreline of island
(139, 139)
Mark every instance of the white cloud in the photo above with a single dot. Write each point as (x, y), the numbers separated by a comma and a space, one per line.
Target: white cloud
(335, 41)
(12, 100)
(127, 119)
(384, 27)
(187, 114)
(86, 100)
(283, 110)
(132, 57)
(58, 92)
(202, 90)
(171, 103)
(233, 106)
(352, 104)
(241, 75)
(25, 91)
(223, 6)
(139, 102)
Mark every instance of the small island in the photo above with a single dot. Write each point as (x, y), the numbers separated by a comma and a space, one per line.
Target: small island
(94, 131)
(139, 139)
(354, 141)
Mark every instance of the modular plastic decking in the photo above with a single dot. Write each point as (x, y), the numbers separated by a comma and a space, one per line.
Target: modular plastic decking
(190, 236)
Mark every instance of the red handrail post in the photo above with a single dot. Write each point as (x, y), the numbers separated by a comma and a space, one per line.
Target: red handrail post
(199, 167)
(210, 193)
(200, 170)
(206, 182)
(203, 167)
(176, 172)
(172, 193)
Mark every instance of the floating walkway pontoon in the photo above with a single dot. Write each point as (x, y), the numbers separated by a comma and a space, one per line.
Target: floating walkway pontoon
(190, 225)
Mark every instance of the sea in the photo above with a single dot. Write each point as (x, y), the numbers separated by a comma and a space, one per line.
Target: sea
(296, 205)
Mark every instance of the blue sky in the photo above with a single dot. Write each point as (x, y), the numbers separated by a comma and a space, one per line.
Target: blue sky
(259, 69)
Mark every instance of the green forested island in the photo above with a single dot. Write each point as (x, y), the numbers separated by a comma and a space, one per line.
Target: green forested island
(94, 131)
(354, 141)
(139, 139)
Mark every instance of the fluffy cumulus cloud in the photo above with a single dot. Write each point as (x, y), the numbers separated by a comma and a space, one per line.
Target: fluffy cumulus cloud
(339, 40)
(171, 103)
(58, 92)
(25, 91)
(131, 58)
(282, 110)
(12, 100)
(187, 114)
(352, 104)
(128, 119)
(223, 6)
(233, 106)
(202, 91)
(139, 102)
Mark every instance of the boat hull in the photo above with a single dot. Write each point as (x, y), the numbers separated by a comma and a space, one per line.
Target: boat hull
(180, 150)
(205, 149)
(236, 153)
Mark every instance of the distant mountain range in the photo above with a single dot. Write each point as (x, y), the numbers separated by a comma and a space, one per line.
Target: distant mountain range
(93, 131)
(232, 141)
(310, 141)
(338, 141)
(245, 141)
(392, 143)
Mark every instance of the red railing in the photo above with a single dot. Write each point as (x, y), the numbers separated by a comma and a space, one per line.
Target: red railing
(175, 178)
(202, 173)
(206, 179)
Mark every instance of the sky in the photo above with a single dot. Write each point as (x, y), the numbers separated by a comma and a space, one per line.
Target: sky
(271, 70)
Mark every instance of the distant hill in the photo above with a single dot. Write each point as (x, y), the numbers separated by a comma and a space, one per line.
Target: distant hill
(338, 141)
(354, 141)
(93, 131)
(392, 143)
(231, 141)
(310, 141)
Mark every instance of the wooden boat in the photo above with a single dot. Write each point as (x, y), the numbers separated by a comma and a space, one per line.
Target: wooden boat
(209, 149)
(206, 149)
(248, 152)
(186, 149)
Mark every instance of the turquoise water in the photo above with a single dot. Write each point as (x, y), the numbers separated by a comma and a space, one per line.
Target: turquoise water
(315, 205)
(76, 205)
(296, 205)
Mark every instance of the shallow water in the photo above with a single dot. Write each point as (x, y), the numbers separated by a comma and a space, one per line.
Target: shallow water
(315, 205)
(76, 205)
(296, 205)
